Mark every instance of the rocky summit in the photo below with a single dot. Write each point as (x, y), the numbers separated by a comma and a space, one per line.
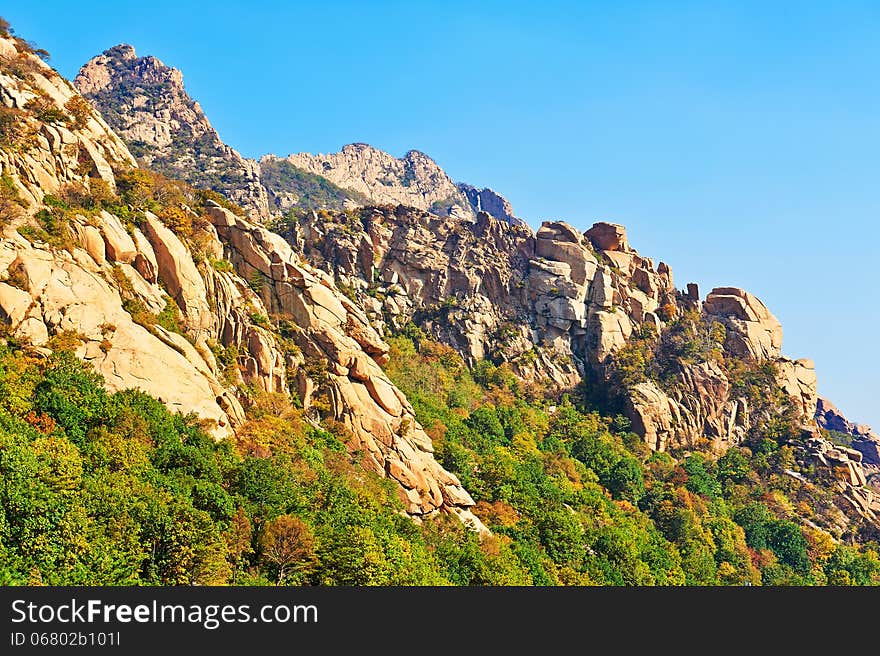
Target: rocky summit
(146, 104)
(349, 369)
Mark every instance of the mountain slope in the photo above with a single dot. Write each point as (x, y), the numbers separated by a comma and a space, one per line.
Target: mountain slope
(371, 375)
(565, 310)
(151, 281)
(414, 180)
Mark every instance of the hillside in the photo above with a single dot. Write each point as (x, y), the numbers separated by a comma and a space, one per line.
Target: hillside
(373, 393)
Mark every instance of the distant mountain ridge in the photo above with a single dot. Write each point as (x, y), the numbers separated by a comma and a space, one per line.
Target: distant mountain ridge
(146, 103)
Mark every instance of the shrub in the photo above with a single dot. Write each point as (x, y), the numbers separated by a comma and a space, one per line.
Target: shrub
(11, 202)
(16, 133)
(79, 110)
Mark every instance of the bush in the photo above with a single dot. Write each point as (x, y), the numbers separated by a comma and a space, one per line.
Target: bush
(79, 110)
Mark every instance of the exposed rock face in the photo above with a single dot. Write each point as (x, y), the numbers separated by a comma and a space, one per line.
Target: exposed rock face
(60, 153)
(863, 438)
(110, 266)
(489, 201)
(608, 237)
(415, 180)
(798, 380)
(75, 292)
(698, 409)
(754, 332)
(846, 471)
(334, 331)
(557, 305)
(145, 102)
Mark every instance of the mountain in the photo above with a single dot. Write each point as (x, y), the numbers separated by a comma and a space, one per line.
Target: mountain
(414, 180)
(155, 285)
(564, 310)
(381, 388)
(146, 103)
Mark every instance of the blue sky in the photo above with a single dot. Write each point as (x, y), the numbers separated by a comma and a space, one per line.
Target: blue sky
(737, 141)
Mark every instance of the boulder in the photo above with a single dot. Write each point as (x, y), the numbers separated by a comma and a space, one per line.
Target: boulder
(145, 261)
(14, 303)
(798, 379)
(91, 239)
(607, 237)
(179, 274)
(119, 244)
(753, 331)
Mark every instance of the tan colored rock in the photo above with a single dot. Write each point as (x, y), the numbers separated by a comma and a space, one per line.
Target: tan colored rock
(179, 274)
(611, 330)
(415, 180)
(145, 260)
(146, 102)
(754, 332)
(93, 242)
(649, 410)
(33, 331)
(72, 298)
(607, 237)
(383, 393)
(335, 331)
(561, 242)
(220, 217)
(14, 303)
(119, 244)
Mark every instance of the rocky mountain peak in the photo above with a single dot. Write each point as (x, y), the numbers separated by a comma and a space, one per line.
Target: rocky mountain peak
(489, 201)
(146, 103)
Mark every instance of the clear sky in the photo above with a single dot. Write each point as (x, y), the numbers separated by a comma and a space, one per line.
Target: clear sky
(737, 141)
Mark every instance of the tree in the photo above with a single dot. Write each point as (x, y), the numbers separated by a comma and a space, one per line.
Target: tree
(238, 539)
(288, 541)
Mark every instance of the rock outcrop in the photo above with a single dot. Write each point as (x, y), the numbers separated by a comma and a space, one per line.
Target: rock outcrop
(334, 332)
(861, 436)
(45, 155)
(557, 305)
(753, 331)
(491, 202)
(845, 471)
(145, 102)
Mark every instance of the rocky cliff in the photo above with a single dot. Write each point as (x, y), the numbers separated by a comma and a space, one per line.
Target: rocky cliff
(152, 285)
(566, 310)
(559, 306)
(491, 202)
(861, 437)
(415, 180)
(145, 102)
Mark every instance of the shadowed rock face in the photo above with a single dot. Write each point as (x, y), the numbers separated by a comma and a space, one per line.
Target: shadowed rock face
(490, 202)
(863, 438)
(109, 266)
